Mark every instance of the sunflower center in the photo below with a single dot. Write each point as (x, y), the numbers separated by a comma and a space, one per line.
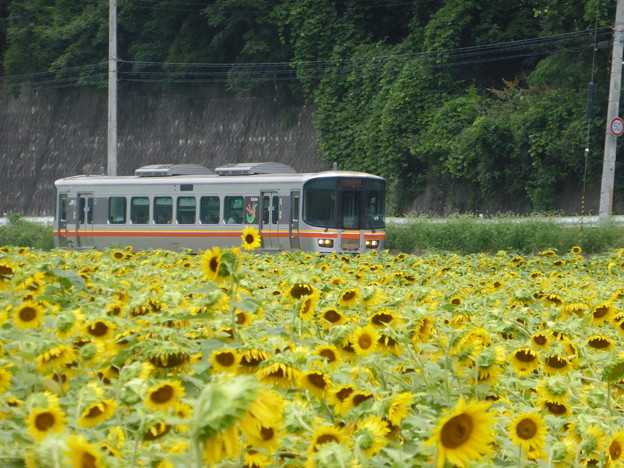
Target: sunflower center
(331, 316)
(267, 433)
(95, 411)
(44, 421)
(556, 408)
(526, 429)
(615, 450)
(162, 394)
(299, 290)
(328, 354)
(213, 264)
(456, 431)
(348, 295)
(361, 398)
(325, 438)
(600, 311)
(540, 340)
(6, 270)
(556, 362)
(382, 319)
(365, 341)
(26, 314)
(249, 239)
(599, 343)
(240, 318)
(525, 355)
(97, 329)
(225, 359)
(88, 461)
(318, 380)
(343, 394)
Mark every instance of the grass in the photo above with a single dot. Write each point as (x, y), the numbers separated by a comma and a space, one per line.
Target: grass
(461, 234)
(526, 235)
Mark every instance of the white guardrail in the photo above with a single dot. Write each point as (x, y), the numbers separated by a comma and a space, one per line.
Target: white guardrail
(571, 220)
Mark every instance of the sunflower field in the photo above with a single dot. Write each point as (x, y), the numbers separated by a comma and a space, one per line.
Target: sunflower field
(230, 358)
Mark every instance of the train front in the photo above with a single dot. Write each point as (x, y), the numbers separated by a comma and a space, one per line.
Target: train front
(344, 212)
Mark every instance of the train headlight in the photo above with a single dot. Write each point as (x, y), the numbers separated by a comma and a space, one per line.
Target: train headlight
(327, 243)
(371, 244)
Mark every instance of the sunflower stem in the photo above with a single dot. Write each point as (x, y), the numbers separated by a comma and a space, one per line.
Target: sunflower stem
(520, 456)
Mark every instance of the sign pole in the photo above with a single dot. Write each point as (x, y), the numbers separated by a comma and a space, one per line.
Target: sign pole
(112, 88)
(608, 167)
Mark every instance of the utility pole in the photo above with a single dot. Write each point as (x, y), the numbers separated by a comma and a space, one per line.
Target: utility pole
(112, 88)
(608, 167)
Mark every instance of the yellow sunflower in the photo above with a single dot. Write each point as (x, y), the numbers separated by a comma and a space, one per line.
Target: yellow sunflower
(325, 434)
(524, 361)
(464, 434)
(5, 380)
(213, 265)
(365, 340)
(370, 435)
(316, 382)
(56, 358)
(554, 364)
(224, 360)
(615, 448)
(101, 330)
(528, 430)
(251, 238)
(42, 421)
(331, 317)
(278, 373)
(540, 341)
(164, 395)
(28, 315)
(600, 343)
(602, 313)
(349, 297)
(399, 407)
(97, 412)
(331, 354)
(82, 454)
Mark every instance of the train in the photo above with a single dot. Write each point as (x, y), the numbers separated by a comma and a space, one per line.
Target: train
(192, 207)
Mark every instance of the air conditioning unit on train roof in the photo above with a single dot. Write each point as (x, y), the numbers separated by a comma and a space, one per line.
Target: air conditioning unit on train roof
(164, 170)
(254, 168)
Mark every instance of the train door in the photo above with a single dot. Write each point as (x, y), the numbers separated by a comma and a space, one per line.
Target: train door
(269, 223)
(84, 221)
(61, 220)
(294, 220)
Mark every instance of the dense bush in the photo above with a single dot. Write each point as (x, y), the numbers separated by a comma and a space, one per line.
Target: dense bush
(20, 232)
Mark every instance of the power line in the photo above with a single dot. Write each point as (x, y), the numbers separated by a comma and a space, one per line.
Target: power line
(318, 69)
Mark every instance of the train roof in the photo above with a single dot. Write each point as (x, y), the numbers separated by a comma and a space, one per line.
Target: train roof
(193, 173)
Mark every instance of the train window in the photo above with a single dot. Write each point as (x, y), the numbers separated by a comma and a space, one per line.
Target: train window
(319, 202)
(375, 205)
(85, 205)
(63, 208)
(209, 210)
(186, 209)
(265, 209)
(117, 210)
(275, 211)
(163, 210)
(233, 210)
(139, 210)
(350, 210)
(295, 208)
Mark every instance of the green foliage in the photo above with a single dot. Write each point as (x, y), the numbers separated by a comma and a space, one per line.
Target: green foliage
(468, 234)
(19, 232)
(408, 91)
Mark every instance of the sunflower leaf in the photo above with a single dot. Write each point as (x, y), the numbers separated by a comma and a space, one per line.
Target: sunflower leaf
(613, 372)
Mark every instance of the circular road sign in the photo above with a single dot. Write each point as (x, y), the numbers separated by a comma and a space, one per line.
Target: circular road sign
(617, 127)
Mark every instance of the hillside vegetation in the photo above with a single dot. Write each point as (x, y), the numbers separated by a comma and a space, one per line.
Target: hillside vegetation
(493, 94)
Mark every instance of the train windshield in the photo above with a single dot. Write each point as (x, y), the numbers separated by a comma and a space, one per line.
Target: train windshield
(344, 203)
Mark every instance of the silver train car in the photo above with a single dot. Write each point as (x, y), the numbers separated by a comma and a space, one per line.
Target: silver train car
(187, 206)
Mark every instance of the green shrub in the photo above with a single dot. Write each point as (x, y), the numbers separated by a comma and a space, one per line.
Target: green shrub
(19, 232)
(469, 234)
